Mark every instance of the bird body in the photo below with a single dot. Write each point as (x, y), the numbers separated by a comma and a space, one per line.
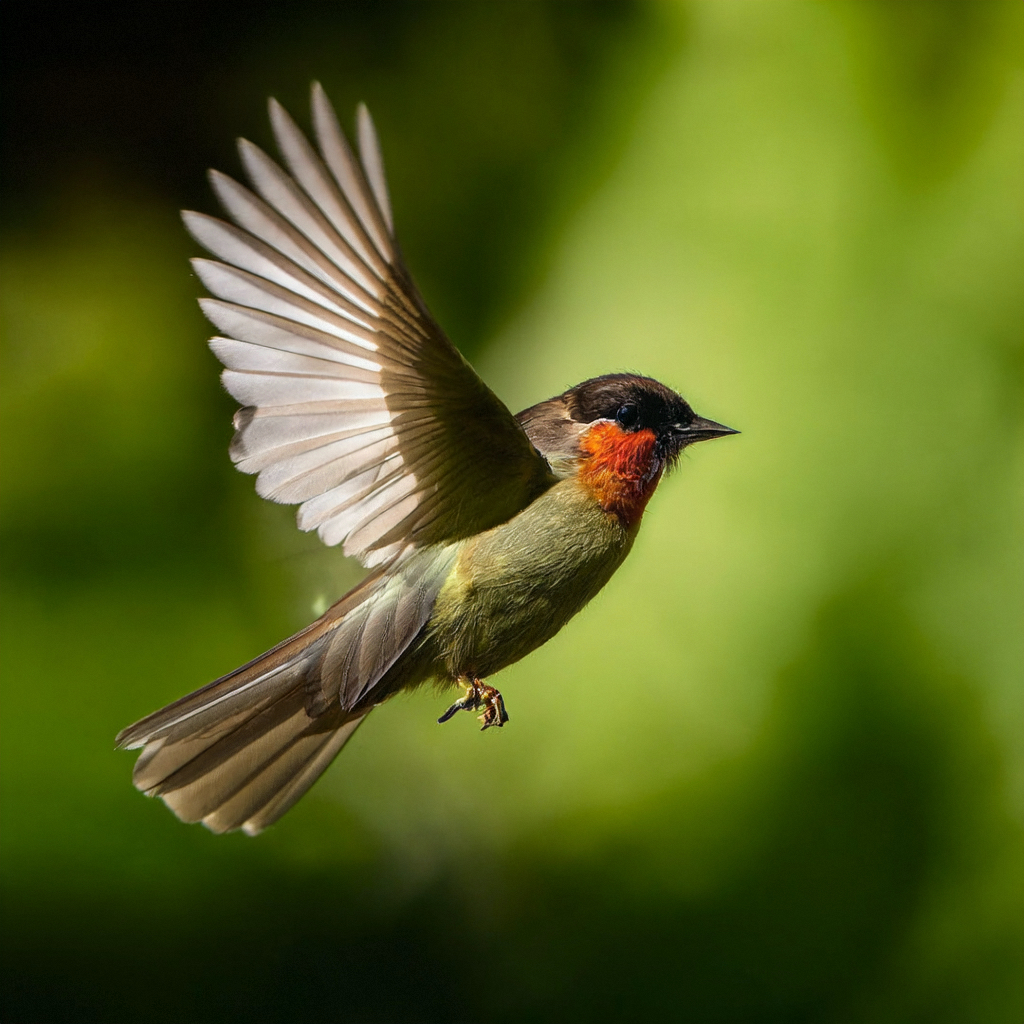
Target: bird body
(484, 533)
(513, 587)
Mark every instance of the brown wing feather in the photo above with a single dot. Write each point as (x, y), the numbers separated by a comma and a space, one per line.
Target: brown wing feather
(357, 405)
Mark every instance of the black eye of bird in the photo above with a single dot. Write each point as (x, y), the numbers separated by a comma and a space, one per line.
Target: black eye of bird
(627, 416)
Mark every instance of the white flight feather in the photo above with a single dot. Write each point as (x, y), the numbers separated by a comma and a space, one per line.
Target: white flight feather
(311, 473)
(339, 159)
(310, 172)
(245, 289)
(373, 163)
(287, 199)
(261, 328)
(340, 526)
(269, 433)
(252, 214)
(281, 389)
(247, 253)
(317, 511)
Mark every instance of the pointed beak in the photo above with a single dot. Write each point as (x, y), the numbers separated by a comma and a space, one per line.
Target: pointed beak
(703, 430)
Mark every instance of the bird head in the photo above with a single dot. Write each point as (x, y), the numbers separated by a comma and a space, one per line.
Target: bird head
(619, 410)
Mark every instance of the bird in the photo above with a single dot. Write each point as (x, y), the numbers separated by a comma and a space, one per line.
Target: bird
(483, 532)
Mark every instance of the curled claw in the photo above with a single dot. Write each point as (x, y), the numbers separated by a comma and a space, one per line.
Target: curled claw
(494, 710)
(467, 703)
(480, 695)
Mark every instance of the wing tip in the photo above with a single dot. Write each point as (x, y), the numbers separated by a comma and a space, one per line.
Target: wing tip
(324, 114)
(372, 159)
(221, 183)
(243, 417)
(317, 95)
(190, 217)
(281, 122)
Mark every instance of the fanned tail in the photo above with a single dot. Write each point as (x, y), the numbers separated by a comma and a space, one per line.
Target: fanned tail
(239, 752)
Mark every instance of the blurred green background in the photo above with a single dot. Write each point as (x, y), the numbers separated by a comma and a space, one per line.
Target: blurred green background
(776, 771)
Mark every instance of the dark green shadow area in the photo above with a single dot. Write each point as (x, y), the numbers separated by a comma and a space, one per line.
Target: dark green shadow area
(866, 804)
(834, 244)
(868, 797)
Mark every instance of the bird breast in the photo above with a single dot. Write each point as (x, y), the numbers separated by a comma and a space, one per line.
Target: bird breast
(514, 587)
(620, 469)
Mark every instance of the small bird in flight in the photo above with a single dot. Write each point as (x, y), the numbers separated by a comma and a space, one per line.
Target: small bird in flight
(484, 532)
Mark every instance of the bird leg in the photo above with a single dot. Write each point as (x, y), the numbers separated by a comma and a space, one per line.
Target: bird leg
(480, 695)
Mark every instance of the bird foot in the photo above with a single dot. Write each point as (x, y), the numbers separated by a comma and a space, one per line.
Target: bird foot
(480, 695)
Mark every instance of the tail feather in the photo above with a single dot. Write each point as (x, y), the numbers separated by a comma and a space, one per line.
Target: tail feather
(239, 752)
(169, 761)
(266, 797)
(242, 748)
(207, 709)
(229, 795)
(227, 776)
(236, 760)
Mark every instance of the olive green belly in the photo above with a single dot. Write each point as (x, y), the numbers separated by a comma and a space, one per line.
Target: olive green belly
(514, 587)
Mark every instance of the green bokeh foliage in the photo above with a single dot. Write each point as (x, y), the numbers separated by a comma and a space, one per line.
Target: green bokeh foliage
(776, 771)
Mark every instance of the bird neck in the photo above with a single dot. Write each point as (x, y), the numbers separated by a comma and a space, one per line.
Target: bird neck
(620, 469)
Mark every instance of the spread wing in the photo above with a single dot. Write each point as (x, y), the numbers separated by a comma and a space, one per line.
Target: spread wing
(356, 405)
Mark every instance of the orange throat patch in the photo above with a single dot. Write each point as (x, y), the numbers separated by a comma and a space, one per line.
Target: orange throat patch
(620, 469)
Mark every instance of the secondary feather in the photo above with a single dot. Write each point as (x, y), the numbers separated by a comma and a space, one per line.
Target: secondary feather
(357, 406)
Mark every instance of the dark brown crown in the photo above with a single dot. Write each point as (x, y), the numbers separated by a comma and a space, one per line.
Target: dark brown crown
(637, 403)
